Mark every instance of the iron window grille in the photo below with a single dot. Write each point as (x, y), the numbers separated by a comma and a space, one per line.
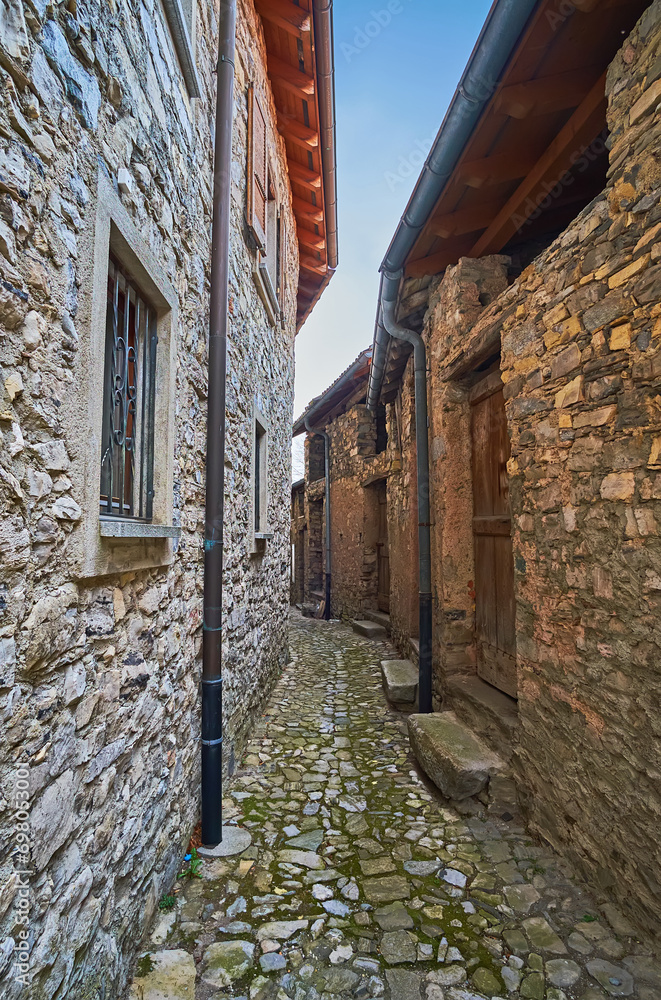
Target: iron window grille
(127, 459)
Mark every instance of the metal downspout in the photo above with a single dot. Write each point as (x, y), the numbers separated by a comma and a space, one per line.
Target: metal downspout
(212, 704)
(394, 329)
(325, 436)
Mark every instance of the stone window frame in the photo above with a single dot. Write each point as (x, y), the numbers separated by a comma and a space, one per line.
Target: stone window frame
(181, 16)
(103, 545)
(259, 538)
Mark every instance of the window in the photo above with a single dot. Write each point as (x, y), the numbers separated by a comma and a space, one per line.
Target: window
(260, 498)
(121, 421)
(127, 444)
(265, 219)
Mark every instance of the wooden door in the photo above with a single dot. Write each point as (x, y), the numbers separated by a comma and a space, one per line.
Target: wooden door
(494, 566)
(382, 550)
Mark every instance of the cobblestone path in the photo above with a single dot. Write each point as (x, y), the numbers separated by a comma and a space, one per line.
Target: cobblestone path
(361, 882)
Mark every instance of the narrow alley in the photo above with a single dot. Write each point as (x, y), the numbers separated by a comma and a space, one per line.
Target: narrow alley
(361, 882)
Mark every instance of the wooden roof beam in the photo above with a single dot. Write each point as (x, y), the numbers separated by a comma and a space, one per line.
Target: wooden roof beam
(292, 79)
(434, 263)
(285, 14)
(311, 264)
(312, 240)
(494, 170)
(307, 211)
(546, 95)
(466, 220)
(310, 179)
(297, 132)
(565, 150)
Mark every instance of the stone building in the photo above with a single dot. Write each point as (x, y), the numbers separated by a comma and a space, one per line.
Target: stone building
(529, 263)
(359, 466)
(106, 176)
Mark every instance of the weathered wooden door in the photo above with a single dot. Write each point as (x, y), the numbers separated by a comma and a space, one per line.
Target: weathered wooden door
(494, 567)
(382, 550)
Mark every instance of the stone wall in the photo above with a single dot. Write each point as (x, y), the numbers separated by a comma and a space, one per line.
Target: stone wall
(403, 517)
(354, 467)
(579, 335)
(100, 677)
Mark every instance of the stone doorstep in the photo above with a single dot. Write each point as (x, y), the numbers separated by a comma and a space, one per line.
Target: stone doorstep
(484, 709)
(400, 681)
(369, 629)
(456, 760)
(379, 618)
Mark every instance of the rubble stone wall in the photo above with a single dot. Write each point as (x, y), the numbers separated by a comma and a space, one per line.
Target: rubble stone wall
(354, 512)
(100, 677)
(403, 517)
(354, 468)
(580, 338)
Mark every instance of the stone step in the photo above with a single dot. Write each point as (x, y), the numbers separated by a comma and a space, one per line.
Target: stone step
(486, 711)
(414, 649)
(380, 617)
(369, 629)
(459, 764)
(400, 682)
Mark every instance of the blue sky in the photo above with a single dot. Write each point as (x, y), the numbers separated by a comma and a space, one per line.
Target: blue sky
(394, 82)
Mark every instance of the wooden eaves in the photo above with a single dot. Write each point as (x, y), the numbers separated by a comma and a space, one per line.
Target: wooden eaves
(549, 106)
(300, 63)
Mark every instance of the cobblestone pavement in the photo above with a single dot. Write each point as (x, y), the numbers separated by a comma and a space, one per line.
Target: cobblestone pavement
(361, 882)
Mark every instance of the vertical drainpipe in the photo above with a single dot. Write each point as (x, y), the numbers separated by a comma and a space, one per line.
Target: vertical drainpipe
(324, 435)
(392, 327)
(212, 702)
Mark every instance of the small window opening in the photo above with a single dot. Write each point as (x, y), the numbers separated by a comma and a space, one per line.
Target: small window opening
(260, 478)
(127, 458)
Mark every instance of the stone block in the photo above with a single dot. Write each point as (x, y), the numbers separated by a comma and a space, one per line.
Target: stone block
(369, 629)
(454, 758)
(170, 976)
(400, 681)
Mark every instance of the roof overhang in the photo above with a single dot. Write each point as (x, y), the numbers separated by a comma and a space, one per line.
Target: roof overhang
(519, 153)
(342, 391)
(546, 112)
(300, 56)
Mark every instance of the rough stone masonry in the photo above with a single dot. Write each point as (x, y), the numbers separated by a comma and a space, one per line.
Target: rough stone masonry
(579, 335)
(99, 667)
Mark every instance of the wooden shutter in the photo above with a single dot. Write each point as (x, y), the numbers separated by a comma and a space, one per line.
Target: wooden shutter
(282, 260)
(257, 168)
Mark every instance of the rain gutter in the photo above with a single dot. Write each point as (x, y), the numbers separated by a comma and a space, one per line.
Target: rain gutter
(325, 71)
(502, 29)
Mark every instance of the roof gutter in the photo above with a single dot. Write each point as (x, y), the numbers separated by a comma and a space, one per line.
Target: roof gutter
(324, 48)
(502, 29)
(344, 379)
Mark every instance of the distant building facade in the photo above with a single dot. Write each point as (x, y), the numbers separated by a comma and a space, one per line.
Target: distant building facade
(106, 177)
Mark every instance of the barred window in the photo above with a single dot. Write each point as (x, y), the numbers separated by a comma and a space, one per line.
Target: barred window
(127, 457)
